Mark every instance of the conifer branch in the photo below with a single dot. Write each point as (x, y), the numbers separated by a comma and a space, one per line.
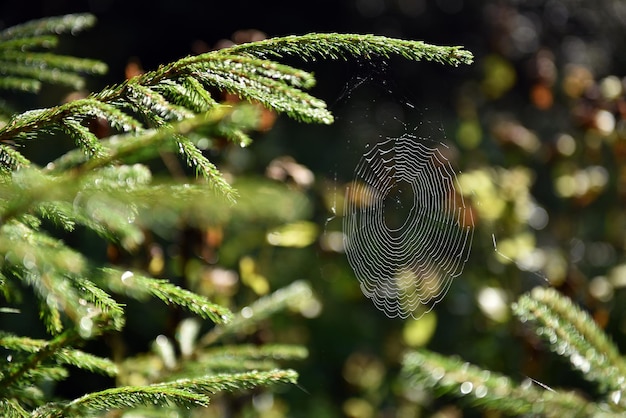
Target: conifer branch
(48, 61)
(201, 363)
(572, 333)
(32, 42)
(293, 295)
(491, 390)
(10, 159)
(60, 213)
(203, 166)
(131, 191)
(148, 143)
(103, 301)
(103, 186)
(24, 68)
(340, 46)
(26, 252)
(53, 271)
(126, 397)
(49, 26)
(263, 81)
(188, 93)
(83, 137)
(21, 373)
(182, 392)
(64, 197)
(139, 286)
(66, 356)
(569, 332)
(245, 357)
(11, 408)
(31, 71)
(180, 90)
(268, 351)
(233, 382)
(20, 83)
(227, 359)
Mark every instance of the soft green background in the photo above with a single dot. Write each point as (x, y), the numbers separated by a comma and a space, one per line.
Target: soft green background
(538, 121)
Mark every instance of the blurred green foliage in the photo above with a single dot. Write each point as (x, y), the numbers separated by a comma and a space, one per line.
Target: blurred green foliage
(537, 129)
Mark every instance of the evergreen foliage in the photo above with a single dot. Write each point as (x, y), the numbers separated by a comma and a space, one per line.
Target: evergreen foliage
(105, 186)
(567, 331)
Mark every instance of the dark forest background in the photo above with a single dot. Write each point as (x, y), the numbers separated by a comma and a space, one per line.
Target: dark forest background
(536, 128)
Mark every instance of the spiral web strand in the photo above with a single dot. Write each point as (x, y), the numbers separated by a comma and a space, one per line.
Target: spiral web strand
(405, 260)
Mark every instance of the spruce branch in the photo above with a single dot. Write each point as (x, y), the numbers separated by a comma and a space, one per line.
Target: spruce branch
(83, 138)
(32, 42)
(277, 86)
(96, 153)
(181, 89)
(27, 124)
(33, 72)
(69, 197)
(203, 166)
(104, 186)
(182, 392)
(20, 83)
(65, 356)
(11, 408)
(54, 272)
(224, 61)
(49, 26)
(140, 145)
(102, 300)
(126, 397)
(21, 373)
(250, 79)
(294, 295)
(201, 362)
(37, 250)
(188, 93)
(226, 359)
(154, 105)
(245, 357)
(338, 46)
(11, 159)
(49, 61)
(46, 265)
(572, 333)
(268, 351)
(66, 201)
(60, 213)
(569, 332)
(129, 193)
(491, 390)
(24, 68)
(227, 382)
(139, 286)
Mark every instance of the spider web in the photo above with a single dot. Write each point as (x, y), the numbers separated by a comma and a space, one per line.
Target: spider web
(404, 265)
(407, 232)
